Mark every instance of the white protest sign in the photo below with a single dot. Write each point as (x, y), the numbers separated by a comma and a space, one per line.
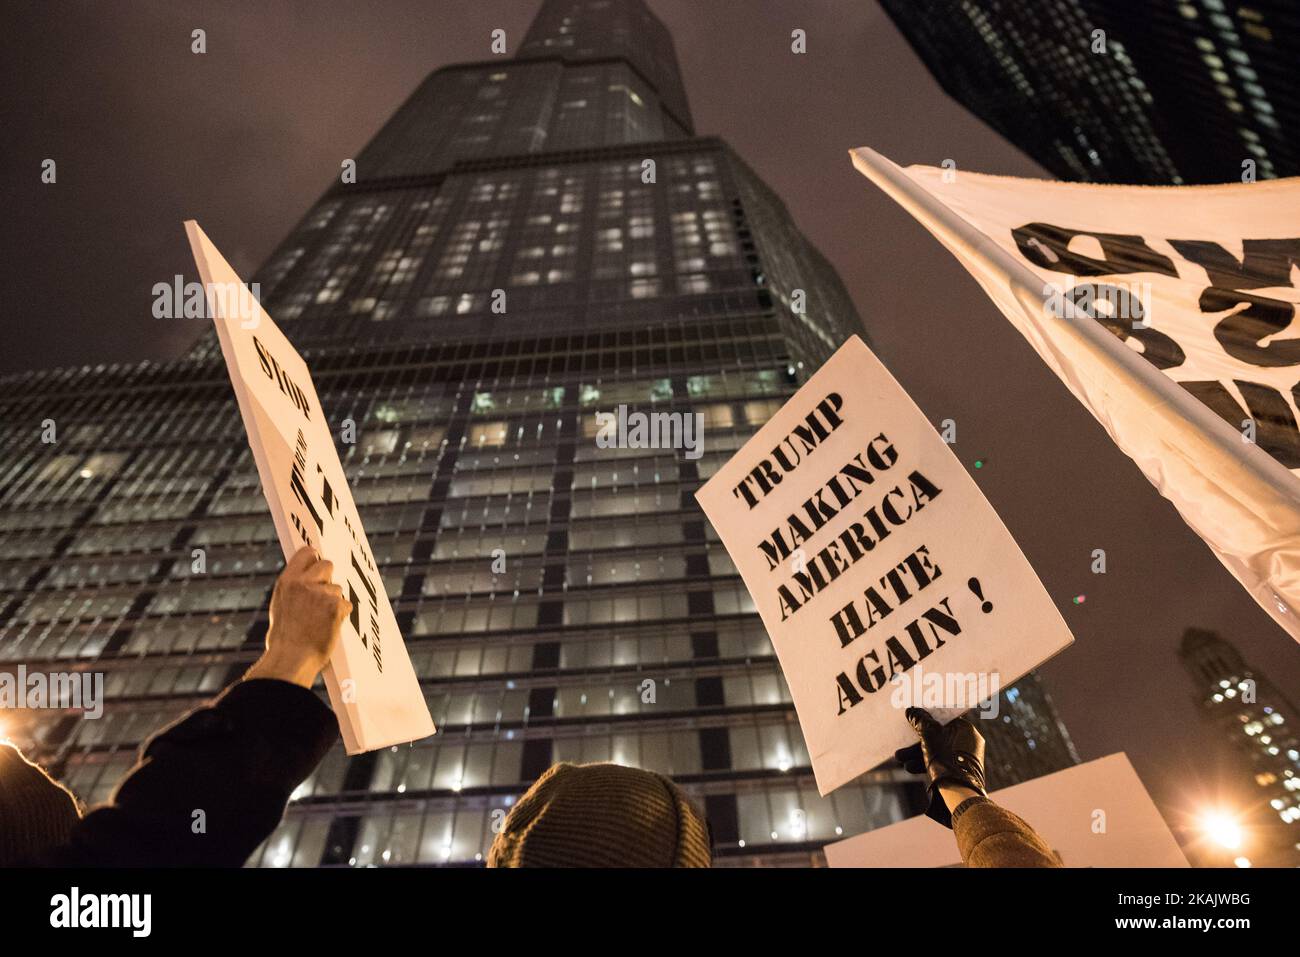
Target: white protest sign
(1093, 815)
(371, 684)
(869, 553)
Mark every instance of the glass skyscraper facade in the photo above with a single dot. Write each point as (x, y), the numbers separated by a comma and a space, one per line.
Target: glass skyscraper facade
(528, 241)
(1109, 91)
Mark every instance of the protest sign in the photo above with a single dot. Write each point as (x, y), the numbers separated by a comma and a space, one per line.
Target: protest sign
(371, 683)
(1169, 313)
(1096, 814)
(869, 552)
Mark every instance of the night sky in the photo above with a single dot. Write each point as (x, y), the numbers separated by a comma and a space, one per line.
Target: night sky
(247, 136)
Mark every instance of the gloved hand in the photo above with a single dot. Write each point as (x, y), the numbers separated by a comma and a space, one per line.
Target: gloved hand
(948, 754)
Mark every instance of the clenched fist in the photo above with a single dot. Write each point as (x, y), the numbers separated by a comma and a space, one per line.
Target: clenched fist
(307, 610)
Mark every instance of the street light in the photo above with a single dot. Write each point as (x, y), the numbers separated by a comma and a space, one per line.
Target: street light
(1223, 829)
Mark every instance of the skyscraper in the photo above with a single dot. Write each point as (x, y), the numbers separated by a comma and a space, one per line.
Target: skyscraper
(1166, 92)
(1260, 726)
(1026, 739)
(527, 242)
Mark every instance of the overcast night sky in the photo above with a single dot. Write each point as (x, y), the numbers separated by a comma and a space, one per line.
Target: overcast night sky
(247, 136)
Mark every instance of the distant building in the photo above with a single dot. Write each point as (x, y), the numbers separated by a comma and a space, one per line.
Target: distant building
(1111, 91)
(1263, 730)
(1026, 739)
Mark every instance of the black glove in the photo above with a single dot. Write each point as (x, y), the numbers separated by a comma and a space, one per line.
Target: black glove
(948, 754)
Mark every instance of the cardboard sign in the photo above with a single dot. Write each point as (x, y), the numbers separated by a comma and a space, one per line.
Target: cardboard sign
(371, 683)
(1093, 815)
(878, 567)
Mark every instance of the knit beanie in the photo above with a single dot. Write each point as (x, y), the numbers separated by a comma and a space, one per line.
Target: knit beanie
(602, 815)
(37, 814)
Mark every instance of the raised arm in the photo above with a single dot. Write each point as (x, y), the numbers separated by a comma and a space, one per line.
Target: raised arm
(952, 758)
(208, 789)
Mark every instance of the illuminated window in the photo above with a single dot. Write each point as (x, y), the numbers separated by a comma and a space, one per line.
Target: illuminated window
(489, 434)
(57, 468)
(379, 442)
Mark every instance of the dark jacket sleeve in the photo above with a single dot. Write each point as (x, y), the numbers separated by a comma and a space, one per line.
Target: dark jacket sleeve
(991, 836)
(208, 789)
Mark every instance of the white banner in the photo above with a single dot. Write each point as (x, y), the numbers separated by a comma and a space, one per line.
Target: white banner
(1167, 311)
(882, 574)
(372, 686)
(1093, 815)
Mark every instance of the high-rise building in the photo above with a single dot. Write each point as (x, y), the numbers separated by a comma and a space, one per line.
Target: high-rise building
(528, 241)
(1026, 739)
(1107, 91)
(1261, 728)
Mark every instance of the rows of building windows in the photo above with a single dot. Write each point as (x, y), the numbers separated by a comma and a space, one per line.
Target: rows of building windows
(619, 584)
(429, 254)
(460, 831)
(469, 112)
(490, 556)
(407, 448)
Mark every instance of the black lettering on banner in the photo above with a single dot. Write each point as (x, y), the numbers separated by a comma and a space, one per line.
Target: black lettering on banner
(1251, 318)
(1275, 426)
(1157, 348)
(1241, 332)
(1040, 242)
(1264, 263)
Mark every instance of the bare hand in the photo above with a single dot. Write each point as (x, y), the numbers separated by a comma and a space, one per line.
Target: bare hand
(307, 611)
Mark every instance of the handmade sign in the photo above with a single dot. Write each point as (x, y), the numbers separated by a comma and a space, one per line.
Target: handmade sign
(372, 686)
(874, 559)
(1093, 815)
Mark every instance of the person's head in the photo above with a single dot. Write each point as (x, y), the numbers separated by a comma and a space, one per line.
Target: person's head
(602, 815)
(37, 814)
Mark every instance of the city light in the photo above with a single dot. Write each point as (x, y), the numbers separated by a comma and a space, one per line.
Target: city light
(1223, 829)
